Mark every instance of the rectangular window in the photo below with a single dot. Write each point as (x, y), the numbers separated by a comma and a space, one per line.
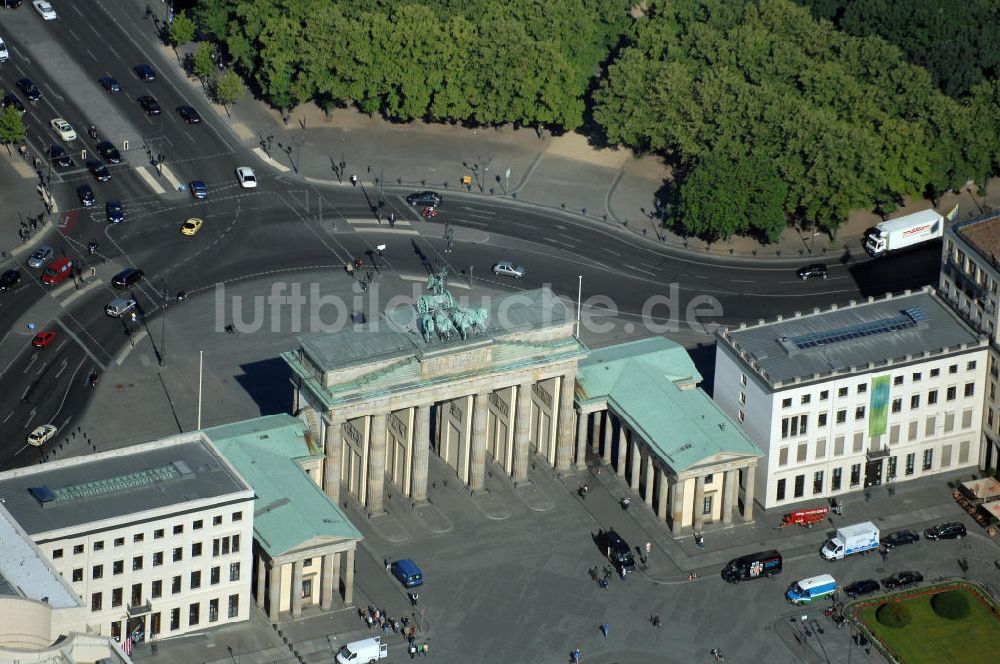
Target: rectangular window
(116, 598)
(119, 541)
(963, 452)
(783, 457)
(217, 521)
(741, 415)
(800, 452)
(236, 538)
(800, 485)
(951, 393)
(138, 537)
(862, 388)
(897, 405)
(915, 402)
(214, 575)
(175, 619)
(855, 474)
(806, 398)
(842, 392)
(932, 397)
(946, 456)
(175, 585)
(195, 580)
(838, 446)
(859, 441)
(158, 533)
(821, 448)
(786, 403)
(835, 478)
(99, 546)
(894, 434)
(966, 418)
(743, 379)
(157, 559)
(841, 416)
(234, 568)
(928, 460)
(195, 549)
(95, 602)
(743, 397)
(912, 433)
(929, 424)
(57, 554)
(970, 389)
(821, 420)
(911, 459)
(156, 590)
(916, 377)
(178, 529)
(824, 395)
(898, 380)
(817, 482)
(890, 472)
(178, 554)
(785, 429)
(935, 373)
(154, 624)
(196, 525)
(859, 413)
(953, 369)
(136, 563)
(194, 612)
(213, 610)
(706, 508)
(949, 422)
(118, 567)
(234, 606)
(77, 549)
(78, 574)
(97, 572)
(970, 366)
(215, 547)
(225, 546)
(780, 494)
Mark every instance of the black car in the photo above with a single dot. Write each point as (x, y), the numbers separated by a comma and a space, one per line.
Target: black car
(115, 212)
(10, 99)
(902, 579)
(110, 84)
(424, 198)
(86, 195)
(9, 279)
(189, 114)
(145, 73)
(57, 154)
(127, 278)
(109, 152)
(149, 105)
(816, 270)
(98, 170)
(12, 4)
(29, 89)
(859, 588)
(900, 537)
(953, 530)
(616, 549)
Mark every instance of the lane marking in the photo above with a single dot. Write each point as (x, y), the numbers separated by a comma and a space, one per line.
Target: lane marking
(136, 338)
(79, 342)
(637, 269)
(451, 284)
(69, 386)
(150, 180)
(34, 358)
(167, 173)
(65, 364)
(376, 229)
(66, 302)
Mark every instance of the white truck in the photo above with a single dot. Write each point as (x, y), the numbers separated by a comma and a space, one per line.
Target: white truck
(364, 651)
(903, 232)
(856, 538)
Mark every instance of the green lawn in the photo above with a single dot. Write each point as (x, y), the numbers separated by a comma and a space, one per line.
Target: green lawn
(930, 639)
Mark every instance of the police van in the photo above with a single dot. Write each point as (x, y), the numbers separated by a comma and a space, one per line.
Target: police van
(811, 589)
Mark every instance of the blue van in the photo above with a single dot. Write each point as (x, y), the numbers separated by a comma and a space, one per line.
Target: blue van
(811, 589)
(408, 573)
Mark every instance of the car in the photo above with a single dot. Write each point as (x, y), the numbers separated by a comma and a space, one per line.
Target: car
(127, 278)
(144, 72)
(189, 114)
(12, 4)
(246, 177)
(900, 537)
(45, 10)
(814, 271)
(902, 579)
(86, 195)
(57, 154)
(64, 129)
(42, 434)
(424, 198)
(110, 84)
(9, 279)
(10, 99)
(198, 189)
(57, 271)
(617, 550)
(43, 339)
(150, 105)
(951, 530)
(40, 257)
(115, 212)
(191, 226)
(109, 152)
(4, 55)
(98, 170)
(29, 89)
(508, 269)
(859, 588)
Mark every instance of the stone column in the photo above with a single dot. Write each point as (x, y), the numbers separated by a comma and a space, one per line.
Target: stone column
(661, 497)
(608, 430)
(581, 439)
(748, 473)
(522, 433)
(421, 453)
(297, 589)
(636, 467)
(335, 566)
(699, 495)
(333, 451)
(595, 431)
(729, 495)
(650, 477)
(349, 578)
(261, 581)
(326, 583)
(677, 506)
(564, 435)
(622, 447)
(477, 461)
(376, 464)
(273, 591)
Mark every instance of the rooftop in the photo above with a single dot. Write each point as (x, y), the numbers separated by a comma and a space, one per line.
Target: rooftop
(83, 490)
(652, 385)
(983, 235)
(25, 571)
(846, 339)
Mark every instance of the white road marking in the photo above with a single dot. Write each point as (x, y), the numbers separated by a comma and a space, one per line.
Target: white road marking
(93, 284)
(136, 338)
(637, 269)
(167, 173)
(12, 361)
(34, 358)
(451, 284)
(150, 180)
(62, 368)
(79, 343)
(25, 393)
(9, 415)
(69, 386)
(743, 281)
(259, 151)
(379, 229)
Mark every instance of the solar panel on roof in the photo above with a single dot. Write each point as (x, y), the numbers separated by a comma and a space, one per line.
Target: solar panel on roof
(913, 316)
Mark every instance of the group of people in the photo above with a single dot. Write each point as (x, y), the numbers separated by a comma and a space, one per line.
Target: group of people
(375, 617)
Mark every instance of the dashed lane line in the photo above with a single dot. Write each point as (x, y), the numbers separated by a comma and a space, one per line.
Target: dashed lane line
(80, 343)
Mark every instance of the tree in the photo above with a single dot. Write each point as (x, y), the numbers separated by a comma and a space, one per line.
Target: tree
(12, 129)
(228, 89)
(202, 65)
(181, 30)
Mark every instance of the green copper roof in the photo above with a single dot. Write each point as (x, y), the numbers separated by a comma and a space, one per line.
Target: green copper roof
(640, 380)
(290, 509)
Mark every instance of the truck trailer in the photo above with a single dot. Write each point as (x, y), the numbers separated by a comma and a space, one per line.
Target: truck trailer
(903, 232)
(857, 538)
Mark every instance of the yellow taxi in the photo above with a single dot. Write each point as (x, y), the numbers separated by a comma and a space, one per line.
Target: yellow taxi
(191, 226)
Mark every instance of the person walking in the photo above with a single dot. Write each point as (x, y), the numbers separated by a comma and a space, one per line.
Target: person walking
(388, 565)
(354, 180)
(575, 656)
(604, 629)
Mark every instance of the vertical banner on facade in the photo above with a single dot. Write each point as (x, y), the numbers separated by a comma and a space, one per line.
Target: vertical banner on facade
(879, 408)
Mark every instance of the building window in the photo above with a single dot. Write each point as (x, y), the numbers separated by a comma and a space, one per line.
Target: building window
(119, 541)
(970, 366)
(862, 388)
(796, 425)
(801, 452)
(951, 393)
(215, 547)
(890, 470)
(786, 403)
(197, 525)
(175, 585)
(175, 619)
(783, 457)
(806, 398)
(118, 567)
(193, 613)
(234, 568)
(138, 537)
(897, 405)
(838, 446)
(157, 559)
(953, 369)
(196, 549)
(217, 521)
(824, 395)
(97, 572)
(743, 379)
(57, 554)
(841, 416)
(915, 402)
(842, 392)
(214, 575)
(237, 516)
(116, 598)
(970, 389)
(156, 589)
(77, 549)
(236, 538)
(234, 606)
(195, 580)
(859, 413)
(855, 474)
(928, 459)
(821, 420)
(820, 448)
(911, 459)
(706, 508)
(178, 554)
(935, 373)
(800, 485)
(158, 533)
(898, 380)
(136, 563)
(309, 561)
(916, 377)
(817, 482)
(932, 397)
(213, 610)
(95, 602)
(741, 415)
(178, 529)
(78, 574)
(780, 495)
(154, 624)
(743, 397)
(835, 477)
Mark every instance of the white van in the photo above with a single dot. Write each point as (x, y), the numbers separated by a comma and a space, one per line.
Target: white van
(3, 51)
(119, 306)
(363, 651)
(811, 589)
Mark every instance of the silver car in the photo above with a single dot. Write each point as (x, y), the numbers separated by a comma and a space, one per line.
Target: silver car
(40, 257)
(508, 269)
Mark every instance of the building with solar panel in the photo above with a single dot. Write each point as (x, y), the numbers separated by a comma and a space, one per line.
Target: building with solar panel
(842, 399)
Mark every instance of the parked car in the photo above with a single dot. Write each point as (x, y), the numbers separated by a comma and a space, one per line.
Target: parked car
(150, 105)
(900, 537)
(189, 114)
(40, 257)
(42, 434)
(424, 198)
(617, 550)
(114, 211)
(29, 89)
(45, 10)
(902, 579)
(86, 195)
(109, 152)
(145, 73)
(246, 177)
(110, 84)
(952, 530)
(814, 271)
(198, 189)
(860, 588)
(127, 278)
(98, 170)
(9, 279)
(4, 55)
(508, 269)
(10, 99)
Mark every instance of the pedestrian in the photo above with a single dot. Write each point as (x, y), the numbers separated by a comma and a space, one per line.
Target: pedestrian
(426, 649)
(370, 621)
(385, 627)
(604, 629)
(575, 656)
(388, 565)
(392, 219)
(354, 180)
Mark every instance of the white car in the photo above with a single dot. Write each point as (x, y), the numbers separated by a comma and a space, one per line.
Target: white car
(64, 129)
(246, 177)
(45, 10)
(42, 434)
(3, 51)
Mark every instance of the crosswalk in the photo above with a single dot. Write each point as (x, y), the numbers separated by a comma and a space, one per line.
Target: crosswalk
(372, 225)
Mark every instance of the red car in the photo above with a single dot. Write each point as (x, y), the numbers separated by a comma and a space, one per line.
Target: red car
(57, 271)
(43, 339)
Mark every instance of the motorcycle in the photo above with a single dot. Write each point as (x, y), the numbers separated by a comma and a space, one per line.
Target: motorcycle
(93, 132)
(92, 379)
(429, 212)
